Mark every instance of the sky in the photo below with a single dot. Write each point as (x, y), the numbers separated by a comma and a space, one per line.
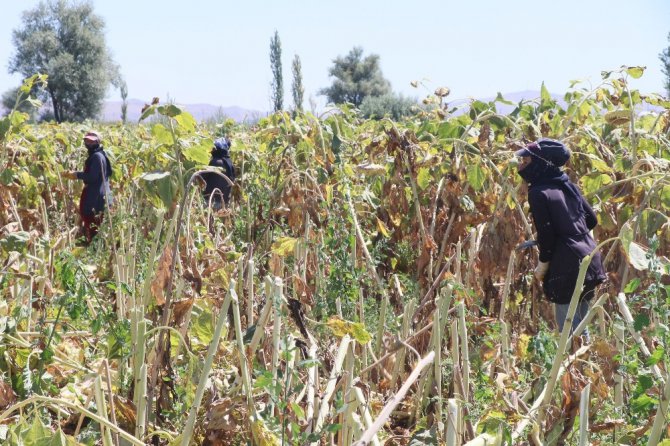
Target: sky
(217, 52)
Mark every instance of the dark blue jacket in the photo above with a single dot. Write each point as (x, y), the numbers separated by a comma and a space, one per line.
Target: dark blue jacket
(563, 220)
(214, 181)
(97, 170)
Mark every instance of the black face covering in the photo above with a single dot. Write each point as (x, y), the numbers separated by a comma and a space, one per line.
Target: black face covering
(92, 148)
(538, 170)
(220, 153)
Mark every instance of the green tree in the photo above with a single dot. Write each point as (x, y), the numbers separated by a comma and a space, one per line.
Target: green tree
(393, 106)
(12, 99)
(65, 40)
(123, 89)
(356, 78)
(297, 87)
(665, 60)
(277, 80)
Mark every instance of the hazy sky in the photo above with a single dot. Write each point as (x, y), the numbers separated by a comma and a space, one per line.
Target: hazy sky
(217, 52)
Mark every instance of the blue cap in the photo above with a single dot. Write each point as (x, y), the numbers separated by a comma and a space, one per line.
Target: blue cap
(548, 150)
(222, 144)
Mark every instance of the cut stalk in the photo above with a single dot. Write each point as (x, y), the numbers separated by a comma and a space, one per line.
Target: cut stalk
(311, 385)
(277, 298)
(465, 351)
(369, 262)
(563, 343)
(399, 365)
(330, 386)
(453, 421)
(101, 405)
(619, 333)
(263, 318)
(584, 416)
(366, 438)
(538, 402)
(506, 287)
(204, 376)
(628, 318)
(363, 406)
(239, 335)
(141, 398)
(661, 418)
(472, 254)
(250, 291)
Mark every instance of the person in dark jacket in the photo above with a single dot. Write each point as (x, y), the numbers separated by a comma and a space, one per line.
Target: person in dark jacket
(216, 186)
(96, 194)
(563, 220)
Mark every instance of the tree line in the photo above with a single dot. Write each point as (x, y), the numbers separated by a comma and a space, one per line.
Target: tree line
(65, 40)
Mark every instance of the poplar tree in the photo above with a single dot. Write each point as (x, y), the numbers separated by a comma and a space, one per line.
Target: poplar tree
(297, 87)
(277, 81)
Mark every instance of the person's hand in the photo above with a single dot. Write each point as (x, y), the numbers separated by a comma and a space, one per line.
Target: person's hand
(541, 270)
(69, 175)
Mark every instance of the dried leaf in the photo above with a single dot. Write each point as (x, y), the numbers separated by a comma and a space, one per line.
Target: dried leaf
(7, 395)
(284, 246)
(162, 277)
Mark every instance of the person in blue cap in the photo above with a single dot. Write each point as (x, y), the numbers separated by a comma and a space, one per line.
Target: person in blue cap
(217, 189)
(563, 221)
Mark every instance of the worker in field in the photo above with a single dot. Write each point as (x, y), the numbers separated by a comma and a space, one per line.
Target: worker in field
(563, 221)
(217, 188)
(96, 195)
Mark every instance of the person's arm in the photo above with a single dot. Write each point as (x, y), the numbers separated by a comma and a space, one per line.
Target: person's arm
(546, 237)
(232, 172)
(589, 215)
(94, 172)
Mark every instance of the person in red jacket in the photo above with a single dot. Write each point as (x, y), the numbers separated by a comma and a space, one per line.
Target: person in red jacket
(563, 221)
(96, 194)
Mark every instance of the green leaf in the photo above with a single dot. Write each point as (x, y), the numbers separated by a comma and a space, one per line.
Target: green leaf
(186, 122)
(600, 165)
(502, 100)
(664, 195)
(15, 241)
(263, 380)
(203, 325)
(635, 72)
(591, 183)
(656, 357)
(641, 321)
(170, 110)
(632, 286)
(298, 411)
(147, 112)
(198, 154)
(449, 129)
(36, 433)
(476, 175)
(155, 176)
(643, 403)
(332, 428)
(162, 135)
(57, 439)
(356, 330)
(423, 178)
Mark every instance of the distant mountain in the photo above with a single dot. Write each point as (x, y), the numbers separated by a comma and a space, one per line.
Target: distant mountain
(111, 112)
